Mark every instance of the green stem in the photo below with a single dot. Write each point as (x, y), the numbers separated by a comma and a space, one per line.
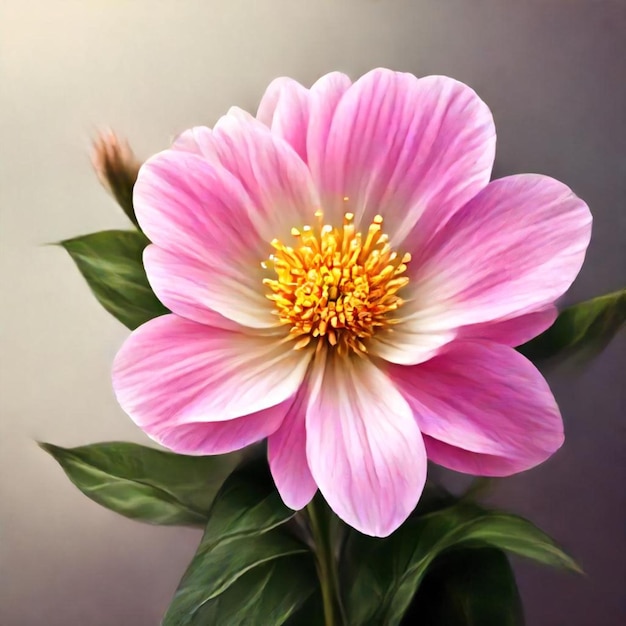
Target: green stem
(325, 561)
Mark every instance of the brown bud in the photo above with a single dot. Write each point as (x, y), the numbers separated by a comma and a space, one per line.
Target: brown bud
(116, 167)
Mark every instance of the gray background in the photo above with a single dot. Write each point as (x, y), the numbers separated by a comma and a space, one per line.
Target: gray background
(554, 74)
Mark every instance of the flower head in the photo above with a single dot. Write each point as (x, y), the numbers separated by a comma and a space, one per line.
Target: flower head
(116, 167)
(336, 284)
(345, 281)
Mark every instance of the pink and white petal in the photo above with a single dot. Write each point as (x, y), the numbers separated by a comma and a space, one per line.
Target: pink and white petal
(203, 438)
(467, 462)
(172, 372)
(286, 450)
(206, 292)
(300, 116)
(514, 331)
(409, 343)
(200, 140)
(197, 140)
(290, 115)
(514, 249)
(364, 449)
(407, 149)
(269, 101)
(185, 204)
(291, 119)
(276, 179)
(325, 95)
(486, 398)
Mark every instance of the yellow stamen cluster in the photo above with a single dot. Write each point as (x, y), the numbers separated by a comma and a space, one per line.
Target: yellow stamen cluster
(336, 283)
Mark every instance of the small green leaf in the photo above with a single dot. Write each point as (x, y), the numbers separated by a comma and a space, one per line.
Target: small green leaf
(146, 484)
(582, 330)
(468, 588)
(111, 263)
(247, 570)
(382, 576)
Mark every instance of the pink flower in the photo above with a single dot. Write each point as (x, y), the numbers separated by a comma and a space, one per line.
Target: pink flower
(345, 281)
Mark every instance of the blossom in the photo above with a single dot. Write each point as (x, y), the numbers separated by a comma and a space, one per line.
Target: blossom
(116, 167)
(345, 281)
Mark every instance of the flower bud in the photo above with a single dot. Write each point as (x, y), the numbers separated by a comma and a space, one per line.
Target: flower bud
(116, 166)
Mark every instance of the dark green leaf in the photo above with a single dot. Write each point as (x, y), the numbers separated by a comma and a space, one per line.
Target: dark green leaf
(311, 613)
(382, 576)
(111, 263)
(247, 504)
(581, 330)
(272, 587)
(467, 588)
(146, 484)
(248, 569)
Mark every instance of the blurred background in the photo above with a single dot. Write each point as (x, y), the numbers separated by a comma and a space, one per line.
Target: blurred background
(554, 74)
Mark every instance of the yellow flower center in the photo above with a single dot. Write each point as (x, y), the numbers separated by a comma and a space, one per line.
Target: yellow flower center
(336, 284)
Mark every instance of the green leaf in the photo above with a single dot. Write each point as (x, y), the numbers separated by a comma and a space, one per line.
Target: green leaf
(582, 330)
(468, 588)
(269, 593)
(111, 263)
(146, 484)
(382, 576)
(248, 569)
(311, 613)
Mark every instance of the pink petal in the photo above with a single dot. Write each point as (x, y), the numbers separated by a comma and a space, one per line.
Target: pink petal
(406, 148)
(207, 251)
(485, 398)
(172, 372)
(512, 250)
(364, 449)
(514, 331)
(277, 180)
(301, 116)
(185, 204)
(278, 183)
(409, 343)
(285, 109)
(286, 449)
(468, 462)
(197, 140)
(325, 96)
(271, 97)
(201, 438)
(203, 291)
